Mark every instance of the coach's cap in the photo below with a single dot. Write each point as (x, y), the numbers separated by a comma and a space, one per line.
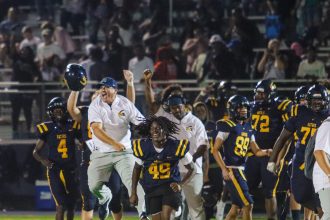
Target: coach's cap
(108, 82)
(176, 100)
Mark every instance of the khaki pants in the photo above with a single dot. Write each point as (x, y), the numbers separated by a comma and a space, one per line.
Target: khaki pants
(99, 171)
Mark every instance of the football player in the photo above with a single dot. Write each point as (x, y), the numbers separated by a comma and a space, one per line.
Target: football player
(268, 116)
(236, 136)
(304, 121)
(157, 166)
(59, 135)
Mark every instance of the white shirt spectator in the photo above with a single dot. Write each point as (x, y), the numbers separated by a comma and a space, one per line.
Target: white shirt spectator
(33, 43)
(316, 69)
(137, 67)
(115, 120)
(191, 128)
(46, 51)
(322, 142)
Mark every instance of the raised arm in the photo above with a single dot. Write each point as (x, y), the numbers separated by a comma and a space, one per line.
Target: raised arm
(130, 90)
(72, 106)
(149, 93)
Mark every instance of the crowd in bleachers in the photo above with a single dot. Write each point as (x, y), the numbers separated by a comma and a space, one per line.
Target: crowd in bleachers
(197, 39)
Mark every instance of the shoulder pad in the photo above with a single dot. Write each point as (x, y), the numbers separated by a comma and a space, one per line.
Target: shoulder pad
(212, 101)
(75, 125)
(230, 123)
(282, 105)
(43, 128)
(137, 149)
(295, 109)
(182, 148)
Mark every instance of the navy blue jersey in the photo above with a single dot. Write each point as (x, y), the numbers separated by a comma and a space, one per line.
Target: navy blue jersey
(86, 134)
(304, 122)
(212, 135)
(162, 167)
(268, 121)
(61, 142)
(235, 147)
(217, 107)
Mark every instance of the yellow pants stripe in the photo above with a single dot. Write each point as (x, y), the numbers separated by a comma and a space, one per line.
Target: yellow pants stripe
(50, 187)
(63, 181)
(239, 189)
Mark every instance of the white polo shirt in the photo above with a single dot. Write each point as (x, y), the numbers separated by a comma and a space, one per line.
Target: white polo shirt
(115, 120)
(322, 142)
(191, 128)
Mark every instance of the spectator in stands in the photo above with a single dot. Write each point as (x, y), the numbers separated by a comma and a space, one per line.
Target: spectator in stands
(166, 66)
(137, 65)
(114, 53)
(96, 69)
(195, 51)
(5, 55)
(73, 13)
(12, 25)
(29, 39)
(286, 11)
(25, 70)
(311, 67)
(210, 14)
(98, 14)
(50, 57)
(272, 64)
(220, 62)
(45, 9)
(61, 37)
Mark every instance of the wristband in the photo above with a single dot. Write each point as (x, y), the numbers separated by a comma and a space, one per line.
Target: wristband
(130, 83)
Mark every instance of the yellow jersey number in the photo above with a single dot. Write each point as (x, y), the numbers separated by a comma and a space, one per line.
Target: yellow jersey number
(62, 148)
(242, 145)
(160, 170)
(262, 121)
(308, 132)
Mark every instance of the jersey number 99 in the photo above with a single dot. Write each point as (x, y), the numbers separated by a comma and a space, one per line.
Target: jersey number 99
(160, 170)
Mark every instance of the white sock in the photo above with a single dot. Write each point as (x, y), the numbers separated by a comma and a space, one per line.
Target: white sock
(220, 210)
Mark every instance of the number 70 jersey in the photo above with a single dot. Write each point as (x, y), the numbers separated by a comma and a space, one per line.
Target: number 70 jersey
(61, 142)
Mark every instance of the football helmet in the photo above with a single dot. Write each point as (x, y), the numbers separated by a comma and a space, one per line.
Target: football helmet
(57, 103)
(318, 98)
(226, 89)
(264, 92)
(300, 94)
(75, 77)
(236, 102)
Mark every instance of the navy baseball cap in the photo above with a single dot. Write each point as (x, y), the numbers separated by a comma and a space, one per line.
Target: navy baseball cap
(108, 82)
(176, 100)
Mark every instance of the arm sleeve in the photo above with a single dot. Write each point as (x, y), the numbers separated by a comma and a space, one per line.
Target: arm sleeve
(139, 161)
(200, 134)
(322, 141)
(187, 159)
(223, 135)
(135, 117)
(290, 125)
(94, 112)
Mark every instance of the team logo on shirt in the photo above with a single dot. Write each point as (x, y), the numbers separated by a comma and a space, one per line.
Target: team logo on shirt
(121, 113)
(189, 128)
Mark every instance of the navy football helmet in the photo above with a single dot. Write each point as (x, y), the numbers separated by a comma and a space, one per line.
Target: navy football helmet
(318, 98)
(209, 195)
(57, 103)
(267, 88)
(235, 102)
(300, 94)
(75, 77)
(226, 89)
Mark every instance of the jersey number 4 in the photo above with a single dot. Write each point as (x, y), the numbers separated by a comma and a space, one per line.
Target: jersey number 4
(262, 121)
(62, 148)
(160, 170)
